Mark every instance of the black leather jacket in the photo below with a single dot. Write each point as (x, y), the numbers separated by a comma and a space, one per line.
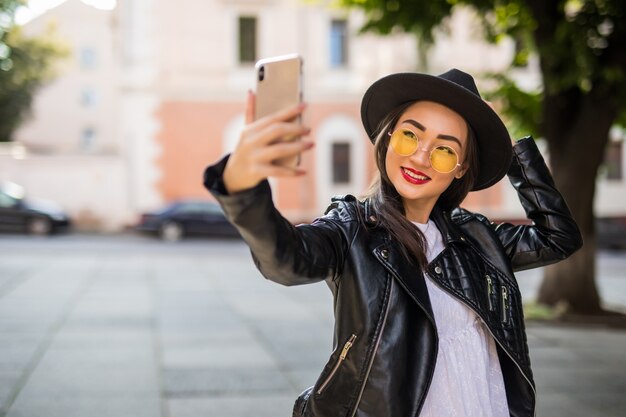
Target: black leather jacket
(385, 334)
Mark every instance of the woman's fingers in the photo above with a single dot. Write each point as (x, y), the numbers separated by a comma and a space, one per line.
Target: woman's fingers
(259, 137)
(246, 172)
(285, 115)
(252, 162)
(282, 171)
(261, 143)
(281, 150)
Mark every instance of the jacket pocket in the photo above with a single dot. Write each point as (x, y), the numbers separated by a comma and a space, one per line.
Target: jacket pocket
(342, 357)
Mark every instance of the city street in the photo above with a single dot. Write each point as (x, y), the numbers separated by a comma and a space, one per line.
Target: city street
(129, 326)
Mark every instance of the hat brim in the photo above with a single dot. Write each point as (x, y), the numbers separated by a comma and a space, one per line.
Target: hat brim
(494, 142)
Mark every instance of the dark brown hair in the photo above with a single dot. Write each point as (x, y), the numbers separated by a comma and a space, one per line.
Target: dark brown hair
(387, 203)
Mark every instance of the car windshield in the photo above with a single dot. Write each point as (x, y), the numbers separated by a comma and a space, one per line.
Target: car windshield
(10, 194)
(6, 200)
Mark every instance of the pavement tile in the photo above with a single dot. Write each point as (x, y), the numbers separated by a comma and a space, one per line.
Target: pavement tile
(92, 380)
(176, 337)
(214, 355)
(560, 405)
(82, 335)
(219, 381)
(70, 405)
(25, 326)
(127, 356)
(188, 330)
(8, 380)
(581, 379)
(110, 323)
(232, 406)
(304, 377)
(553, 356)
(16, 354)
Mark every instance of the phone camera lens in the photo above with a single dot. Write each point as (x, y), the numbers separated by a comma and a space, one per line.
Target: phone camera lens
(261, 73)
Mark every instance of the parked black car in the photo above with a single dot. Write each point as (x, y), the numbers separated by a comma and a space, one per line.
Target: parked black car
(611, 232)
(187, 218)
(19, 214)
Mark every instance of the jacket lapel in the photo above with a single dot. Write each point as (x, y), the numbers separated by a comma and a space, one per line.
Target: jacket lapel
(407, 274)
(449, 232)
(389, 255)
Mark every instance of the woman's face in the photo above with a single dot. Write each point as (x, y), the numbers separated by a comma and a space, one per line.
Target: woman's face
(413, 176)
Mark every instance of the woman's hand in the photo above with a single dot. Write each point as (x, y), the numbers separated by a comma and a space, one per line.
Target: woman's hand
(260, 144)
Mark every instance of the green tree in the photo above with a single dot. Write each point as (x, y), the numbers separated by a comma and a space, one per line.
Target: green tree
(581, 47)
(7, 21)
(25, 65)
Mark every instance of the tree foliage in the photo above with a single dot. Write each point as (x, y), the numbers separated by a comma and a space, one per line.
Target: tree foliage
(25, 65)
(521, 109)
(581, 43)
(7, 21)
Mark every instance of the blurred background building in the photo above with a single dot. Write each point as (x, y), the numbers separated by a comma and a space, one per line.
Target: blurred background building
(154, 91)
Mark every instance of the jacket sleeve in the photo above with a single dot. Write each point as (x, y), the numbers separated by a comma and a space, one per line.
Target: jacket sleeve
(284, 253)
(553, 234)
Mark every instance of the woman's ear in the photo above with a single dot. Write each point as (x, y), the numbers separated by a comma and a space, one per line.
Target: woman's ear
(461, 171)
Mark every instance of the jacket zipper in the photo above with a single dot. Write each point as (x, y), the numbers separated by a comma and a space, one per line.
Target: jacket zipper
(342, 357)
(490, 292)
(496, 340)
(505, 305)
(369, 366)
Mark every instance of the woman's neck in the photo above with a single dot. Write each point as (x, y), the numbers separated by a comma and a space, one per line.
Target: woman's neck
(419, 213)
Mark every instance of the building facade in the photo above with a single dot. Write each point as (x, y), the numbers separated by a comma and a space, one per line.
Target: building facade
(155, 92)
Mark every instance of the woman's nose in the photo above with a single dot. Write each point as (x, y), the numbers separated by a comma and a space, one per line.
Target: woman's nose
(422, 156)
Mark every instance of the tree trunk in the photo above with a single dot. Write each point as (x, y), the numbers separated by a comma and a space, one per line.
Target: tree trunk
(577, 132)
(571, 283)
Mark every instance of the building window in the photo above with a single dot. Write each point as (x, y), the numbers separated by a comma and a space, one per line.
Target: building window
(88, 97)
(247, 40)
(613, 160)
(88, 59)
(338, 43)
(88, 139)
(341, 163)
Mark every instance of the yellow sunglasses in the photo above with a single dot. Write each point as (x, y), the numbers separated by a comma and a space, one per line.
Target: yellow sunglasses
(442, 158)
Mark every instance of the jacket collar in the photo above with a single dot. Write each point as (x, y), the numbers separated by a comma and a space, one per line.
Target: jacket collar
(449, 231)
(388, 253)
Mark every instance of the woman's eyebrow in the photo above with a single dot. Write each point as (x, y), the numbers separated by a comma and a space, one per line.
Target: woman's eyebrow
(450, 137)
(416, 124)
(423, 129)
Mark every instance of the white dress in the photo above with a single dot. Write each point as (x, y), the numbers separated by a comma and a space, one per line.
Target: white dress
(468, 380)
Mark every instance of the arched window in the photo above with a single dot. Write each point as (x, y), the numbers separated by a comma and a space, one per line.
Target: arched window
(340, 159)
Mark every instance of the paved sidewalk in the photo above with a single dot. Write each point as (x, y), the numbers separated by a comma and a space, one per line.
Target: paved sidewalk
(145, 329)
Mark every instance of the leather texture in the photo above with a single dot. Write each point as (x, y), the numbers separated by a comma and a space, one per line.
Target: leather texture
(380, 299)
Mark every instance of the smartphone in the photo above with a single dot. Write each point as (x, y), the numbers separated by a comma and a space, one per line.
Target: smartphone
(279, 86)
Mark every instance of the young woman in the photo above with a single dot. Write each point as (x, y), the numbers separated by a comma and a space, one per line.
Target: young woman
(428, 313)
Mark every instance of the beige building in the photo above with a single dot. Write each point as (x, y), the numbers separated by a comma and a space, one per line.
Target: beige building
(154, 92)
(71, 150)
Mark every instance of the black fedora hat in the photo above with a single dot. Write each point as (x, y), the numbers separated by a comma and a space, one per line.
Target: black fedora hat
(454, 89)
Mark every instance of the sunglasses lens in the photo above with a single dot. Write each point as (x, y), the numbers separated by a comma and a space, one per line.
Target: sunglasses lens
(404, 142)
(443, 159)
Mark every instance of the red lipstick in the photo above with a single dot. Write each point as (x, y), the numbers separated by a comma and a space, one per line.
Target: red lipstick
(413, 176)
